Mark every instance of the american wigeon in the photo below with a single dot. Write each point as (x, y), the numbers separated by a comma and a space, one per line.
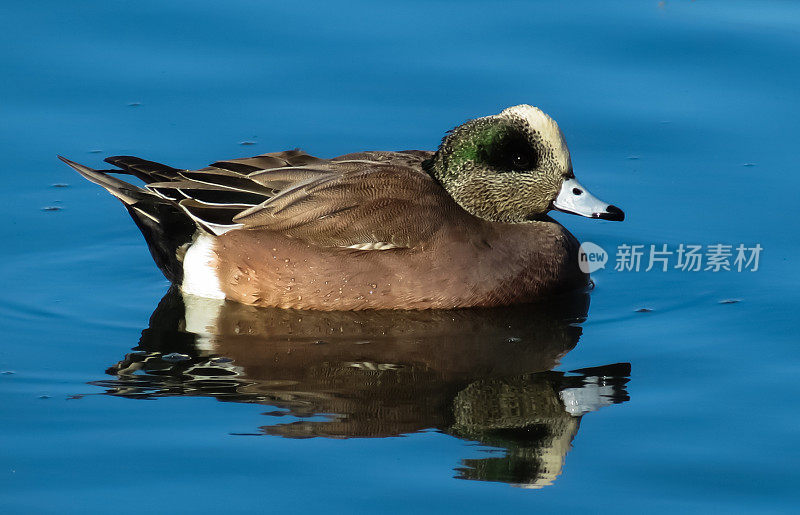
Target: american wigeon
(464, 226)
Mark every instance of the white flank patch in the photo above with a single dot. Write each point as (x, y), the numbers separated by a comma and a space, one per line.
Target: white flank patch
(545, 126)
(200, 274)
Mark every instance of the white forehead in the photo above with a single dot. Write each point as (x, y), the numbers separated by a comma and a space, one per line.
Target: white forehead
(544, 125)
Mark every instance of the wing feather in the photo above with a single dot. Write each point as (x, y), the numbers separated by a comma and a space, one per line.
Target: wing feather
(364, 201)
(367, 205)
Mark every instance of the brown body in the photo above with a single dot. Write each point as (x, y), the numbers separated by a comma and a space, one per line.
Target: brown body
(472, 263)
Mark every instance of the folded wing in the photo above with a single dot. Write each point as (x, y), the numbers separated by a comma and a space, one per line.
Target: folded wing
(366, 201)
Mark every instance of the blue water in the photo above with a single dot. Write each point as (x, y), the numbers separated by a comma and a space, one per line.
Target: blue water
(685, 114)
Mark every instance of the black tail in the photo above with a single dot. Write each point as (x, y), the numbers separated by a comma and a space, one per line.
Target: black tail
(165, 226)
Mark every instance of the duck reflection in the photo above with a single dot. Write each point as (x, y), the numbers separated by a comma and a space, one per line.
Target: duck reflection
(477, 374)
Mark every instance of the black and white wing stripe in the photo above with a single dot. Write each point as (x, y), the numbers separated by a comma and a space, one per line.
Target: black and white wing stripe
(213, 196)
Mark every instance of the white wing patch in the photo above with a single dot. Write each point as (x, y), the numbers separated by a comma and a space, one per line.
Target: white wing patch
(373, 245)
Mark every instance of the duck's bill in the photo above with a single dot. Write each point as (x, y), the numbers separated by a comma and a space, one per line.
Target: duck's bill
(573, 198)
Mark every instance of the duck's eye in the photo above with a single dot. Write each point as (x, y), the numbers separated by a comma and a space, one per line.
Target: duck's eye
(520, 161)
(511, 153)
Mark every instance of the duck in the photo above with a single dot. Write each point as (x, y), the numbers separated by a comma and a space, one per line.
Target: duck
(464, 226)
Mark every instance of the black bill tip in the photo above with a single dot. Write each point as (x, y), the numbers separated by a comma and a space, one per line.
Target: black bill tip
(612, 213)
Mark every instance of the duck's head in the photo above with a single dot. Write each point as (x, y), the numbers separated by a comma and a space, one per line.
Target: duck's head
(514, 167)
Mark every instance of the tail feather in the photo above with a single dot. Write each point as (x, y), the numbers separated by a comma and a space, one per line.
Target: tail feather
(165, 226)
(126, 192)
(142, 169)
